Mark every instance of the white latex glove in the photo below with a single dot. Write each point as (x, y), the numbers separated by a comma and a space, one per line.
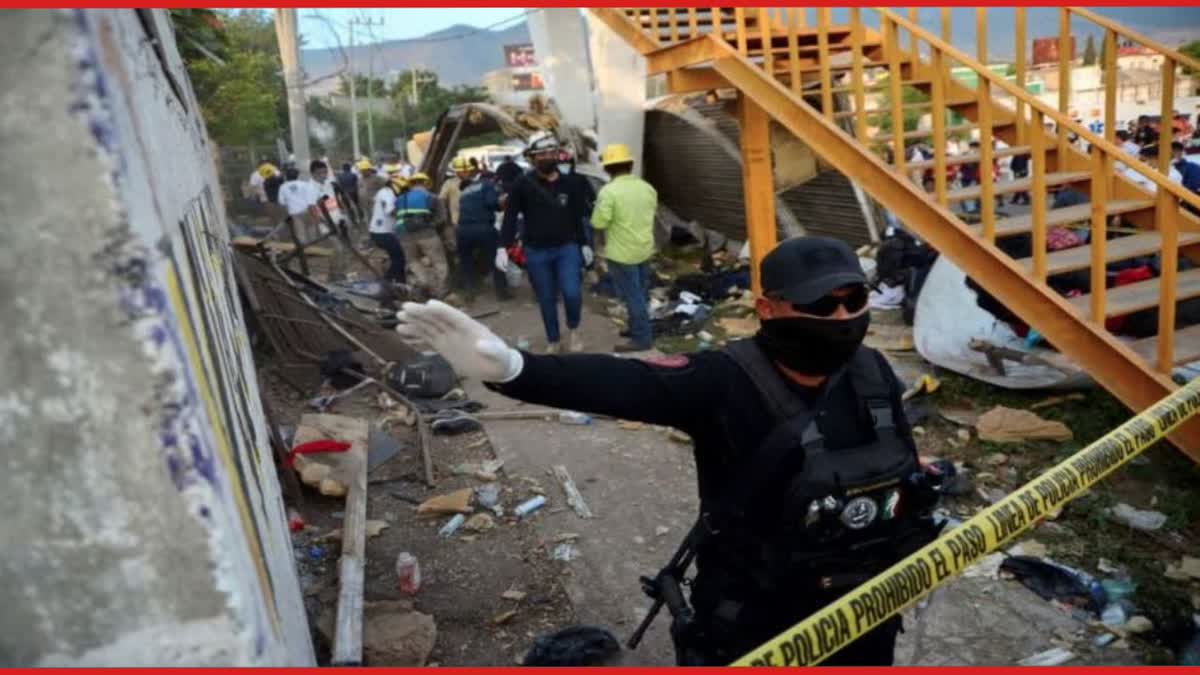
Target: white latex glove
(588, 256)
(501, 259)
(471, 348)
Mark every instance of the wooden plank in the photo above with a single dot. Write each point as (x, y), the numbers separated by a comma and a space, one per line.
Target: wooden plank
(1122, 248)
(1077, 215)
(922, 133)
(693, 23)
(794, 51)
(250, 243)
(1019, 51)
(1165, 208)
(769, 54)
(1021, 185)
(987, 175)
(945, 13)
(939, 125)
(919, 82)
(673, 24)
(688, 80)
(1108, 70)
(1037, 195)
(757, 183)
(1101, 168)
(895, 92)
(739, 19)
(1064, 75)
(1187, 346)
(679, 55)
(856, 75)
(1141, 295)
(823, 56)
(348, 626)
(981, 36)
(914, 45)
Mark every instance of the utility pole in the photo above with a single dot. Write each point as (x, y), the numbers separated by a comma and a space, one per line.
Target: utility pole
(353, 97)
(289, 55)
(368, 24)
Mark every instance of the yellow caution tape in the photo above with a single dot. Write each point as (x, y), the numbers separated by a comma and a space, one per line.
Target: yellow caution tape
(895, 589)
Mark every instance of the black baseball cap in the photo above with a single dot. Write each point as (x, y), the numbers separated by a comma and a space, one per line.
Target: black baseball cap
(806, 269)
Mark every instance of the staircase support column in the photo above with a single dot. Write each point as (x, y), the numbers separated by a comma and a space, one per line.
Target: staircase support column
(758, 184)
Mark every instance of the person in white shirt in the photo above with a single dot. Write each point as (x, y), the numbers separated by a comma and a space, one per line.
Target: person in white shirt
(382, 227)
(258, 177)
(1149, 155)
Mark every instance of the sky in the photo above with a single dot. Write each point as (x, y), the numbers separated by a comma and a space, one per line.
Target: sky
(1169, 24)
(399, 24)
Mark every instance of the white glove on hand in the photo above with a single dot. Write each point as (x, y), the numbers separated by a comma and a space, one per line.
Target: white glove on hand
(471, 348)
(502, 260)
(588, 256)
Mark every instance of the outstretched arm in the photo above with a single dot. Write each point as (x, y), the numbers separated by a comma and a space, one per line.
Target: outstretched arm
(678, 391)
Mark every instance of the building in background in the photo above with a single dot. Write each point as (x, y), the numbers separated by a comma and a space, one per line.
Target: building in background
(518, 80)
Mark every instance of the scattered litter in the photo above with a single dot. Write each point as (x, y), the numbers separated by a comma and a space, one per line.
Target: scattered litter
(452, 525)
(295, 520)
(401, 415)
(890, 338)
(631, 426)
(679, 436)
(458, 501)
(1055, 581)
(316, 552)
(738, 328)
(1009, 425)
(661, 531)
(513, 594)
(485, 471)
(926, 384)
(639, 540)
(572, 417)
(960, 416)
(1186, 568)
(504, 617)
(949, 478)
(988, 567)
(918, 431)
(574, 498)
(1031, 548)
(455, 394)
(480, 522)
(488, 495)
(705, 336)
(1117, 589)
(1114, 615)
(523, 344)
(381, 447)
(1050, 657)
(564, 552)
(331, 488)
(995, 459)
(1103, 640)
(1137, 518)
(384, 402)
(527, 507)
(451, 422)
(1138, 625)
(1055, 400)
(566, 536)
(964, 435)
(477, 443)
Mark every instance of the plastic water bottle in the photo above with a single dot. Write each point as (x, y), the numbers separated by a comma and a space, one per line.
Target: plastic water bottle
(572, 417)
(408, 573)
(529, 506)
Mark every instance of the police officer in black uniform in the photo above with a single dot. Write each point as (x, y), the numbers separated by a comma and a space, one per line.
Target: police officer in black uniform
(808, 475)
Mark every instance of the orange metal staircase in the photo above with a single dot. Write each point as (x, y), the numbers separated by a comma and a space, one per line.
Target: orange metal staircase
(815, 80)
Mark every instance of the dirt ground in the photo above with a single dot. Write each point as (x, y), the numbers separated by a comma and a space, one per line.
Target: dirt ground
(640, 486)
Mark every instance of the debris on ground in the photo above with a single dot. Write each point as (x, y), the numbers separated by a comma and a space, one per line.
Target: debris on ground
(381, 447)
(1138, 519)
(1050, 657)
(452, 526)
(529, 506)
(480, 522)
(564, 552)
(574, 498)
(408, 573)
(735, 327)
(1055, 581)
(396, 635)
(458, 501)
(485, 471)
(1009, 425)
(504, 617)
(679, 436)
(1187, 568)
(487, 495)
(513, 594)
(453, 422)
(631, 426)
(965, 417)
(566, 536)
(1138, 625)
(661, 531)
(574, 418)
(372, 528)
(1055, 400)
(926, 384)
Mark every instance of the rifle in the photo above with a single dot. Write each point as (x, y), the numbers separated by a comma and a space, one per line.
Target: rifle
(665, 588)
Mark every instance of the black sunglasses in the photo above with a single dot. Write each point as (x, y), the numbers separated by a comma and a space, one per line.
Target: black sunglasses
(853, 301)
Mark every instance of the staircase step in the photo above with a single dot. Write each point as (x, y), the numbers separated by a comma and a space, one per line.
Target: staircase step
(1020, 185)
(921, 133)
(1121, 248)
(783, 67)
(1187, 346)
(1141, 295)
(1023, 224)
(968, 158)
(921, 105)
(882, 84)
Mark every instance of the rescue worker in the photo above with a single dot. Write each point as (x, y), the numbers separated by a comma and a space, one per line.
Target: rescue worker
(419, 214)
(382, 227)
(508, 172)
(370, 181)
(808, 474)
(258, 177)
(299, 198)
(625, 212)
(347, 180)
(555, 211)
(476, 232)
(325, 193)
(449, 195)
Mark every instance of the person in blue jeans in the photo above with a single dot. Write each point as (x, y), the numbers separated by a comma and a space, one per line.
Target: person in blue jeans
(478, 203)
(554, 211)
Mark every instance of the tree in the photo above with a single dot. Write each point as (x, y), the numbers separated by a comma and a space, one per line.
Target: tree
(232, 59)
(911, 115)
(1103, 54)
(1089, 51)
(1191, 49)
(378, 86)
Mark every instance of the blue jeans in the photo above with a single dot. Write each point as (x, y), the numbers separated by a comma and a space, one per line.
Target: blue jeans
(552, 271)
(391, 244)
(483, 239)
(633, 287)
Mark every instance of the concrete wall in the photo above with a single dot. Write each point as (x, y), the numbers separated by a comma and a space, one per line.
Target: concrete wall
(619, 73)
(144, 524)
(561, 48)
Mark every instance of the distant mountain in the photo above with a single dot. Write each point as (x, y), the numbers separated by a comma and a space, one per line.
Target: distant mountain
(459, 54)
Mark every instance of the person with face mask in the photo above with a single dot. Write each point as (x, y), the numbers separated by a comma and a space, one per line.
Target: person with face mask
(808, 474)
(555, 209)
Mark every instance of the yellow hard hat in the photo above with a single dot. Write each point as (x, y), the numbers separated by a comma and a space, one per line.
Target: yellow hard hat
(418, 177)
(617, 153)
(364, 165)
(267, 170)
(390, 169)
(460, 164)
(399, 183)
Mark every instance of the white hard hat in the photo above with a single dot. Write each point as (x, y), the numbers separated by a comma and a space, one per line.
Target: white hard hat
(542, 141)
